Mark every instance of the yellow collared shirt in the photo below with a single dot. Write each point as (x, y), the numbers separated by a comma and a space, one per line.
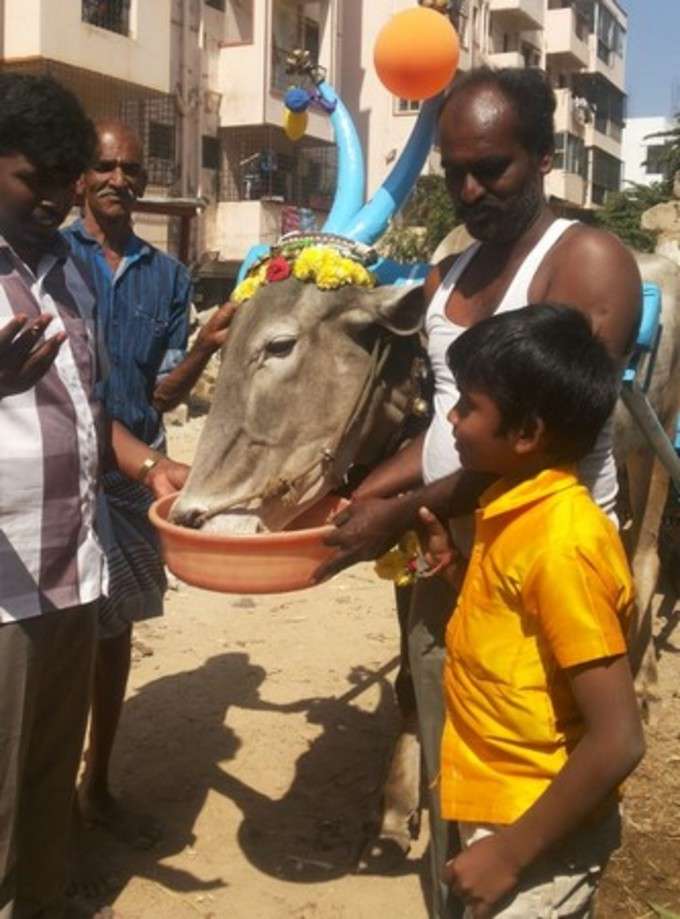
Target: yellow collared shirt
(548, 587)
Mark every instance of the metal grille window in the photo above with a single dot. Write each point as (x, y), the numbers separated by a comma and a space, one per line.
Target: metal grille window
(296, 24)
(152, 115)
(262, 164)
(113, 15)
(154, 120)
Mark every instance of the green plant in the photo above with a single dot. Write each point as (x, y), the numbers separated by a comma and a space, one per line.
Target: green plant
(426, 218)
(623, 212)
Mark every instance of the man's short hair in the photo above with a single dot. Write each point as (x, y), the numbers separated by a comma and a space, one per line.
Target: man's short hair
(46, 123)
(541, 361)
(529, 91)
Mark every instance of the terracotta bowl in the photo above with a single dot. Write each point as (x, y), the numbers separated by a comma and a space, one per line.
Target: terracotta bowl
(261, 563)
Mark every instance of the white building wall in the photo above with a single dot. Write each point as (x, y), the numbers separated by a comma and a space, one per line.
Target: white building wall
(635, 144)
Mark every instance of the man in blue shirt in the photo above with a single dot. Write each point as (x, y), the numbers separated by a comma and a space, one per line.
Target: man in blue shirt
(143, 300)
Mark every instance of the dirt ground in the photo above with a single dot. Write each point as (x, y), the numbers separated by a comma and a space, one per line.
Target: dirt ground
(239, 737)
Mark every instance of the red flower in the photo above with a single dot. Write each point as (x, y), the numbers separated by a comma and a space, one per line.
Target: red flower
(278, 269)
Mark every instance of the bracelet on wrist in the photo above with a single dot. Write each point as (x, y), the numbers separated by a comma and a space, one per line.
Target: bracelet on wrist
(147, 466)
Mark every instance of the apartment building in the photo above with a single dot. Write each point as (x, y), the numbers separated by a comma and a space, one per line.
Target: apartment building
(115, 55)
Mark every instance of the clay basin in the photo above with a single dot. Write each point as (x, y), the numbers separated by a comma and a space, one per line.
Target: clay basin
(261, 563)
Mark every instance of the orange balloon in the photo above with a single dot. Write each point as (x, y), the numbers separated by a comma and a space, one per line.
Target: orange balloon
(416, 53)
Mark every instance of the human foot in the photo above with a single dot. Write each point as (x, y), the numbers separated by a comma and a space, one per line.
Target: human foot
(98, 808)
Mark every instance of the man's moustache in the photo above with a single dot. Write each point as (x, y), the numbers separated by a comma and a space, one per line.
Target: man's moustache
(123, 195)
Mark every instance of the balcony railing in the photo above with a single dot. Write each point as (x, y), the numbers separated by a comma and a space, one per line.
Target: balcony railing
(261, 164)
(113, 15)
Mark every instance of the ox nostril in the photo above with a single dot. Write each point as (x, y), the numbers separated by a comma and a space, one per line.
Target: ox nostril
(192, 518)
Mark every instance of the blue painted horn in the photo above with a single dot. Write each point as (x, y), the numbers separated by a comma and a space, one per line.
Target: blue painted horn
(372, 220)
(350, 188)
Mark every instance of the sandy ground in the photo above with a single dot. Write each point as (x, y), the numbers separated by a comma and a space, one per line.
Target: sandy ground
(238, 737)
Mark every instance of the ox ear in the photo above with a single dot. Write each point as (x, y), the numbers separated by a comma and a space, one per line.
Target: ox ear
(398, 307)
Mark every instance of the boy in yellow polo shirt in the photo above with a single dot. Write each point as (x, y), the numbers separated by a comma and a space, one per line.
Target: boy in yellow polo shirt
(542, 722)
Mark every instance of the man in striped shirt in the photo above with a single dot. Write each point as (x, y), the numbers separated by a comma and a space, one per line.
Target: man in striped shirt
(53, 434)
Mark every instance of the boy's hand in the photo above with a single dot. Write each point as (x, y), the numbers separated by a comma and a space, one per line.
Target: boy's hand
(482, 875)
(440, 553)
(23, 359)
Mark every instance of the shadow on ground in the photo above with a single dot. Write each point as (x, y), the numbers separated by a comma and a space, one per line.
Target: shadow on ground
(175, 747)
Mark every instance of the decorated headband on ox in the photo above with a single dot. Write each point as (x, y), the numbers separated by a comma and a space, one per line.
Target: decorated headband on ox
(329, 261)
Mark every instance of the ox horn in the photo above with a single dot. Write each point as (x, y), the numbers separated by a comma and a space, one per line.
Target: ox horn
(372, 220)
(350, 188)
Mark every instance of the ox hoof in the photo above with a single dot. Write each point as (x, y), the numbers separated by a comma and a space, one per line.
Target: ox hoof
(383, 855)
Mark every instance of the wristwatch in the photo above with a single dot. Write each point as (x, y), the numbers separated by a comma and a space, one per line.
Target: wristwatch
(147, 466)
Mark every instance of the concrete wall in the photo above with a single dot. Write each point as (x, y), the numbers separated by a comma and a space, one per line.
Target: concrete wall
(55, 30)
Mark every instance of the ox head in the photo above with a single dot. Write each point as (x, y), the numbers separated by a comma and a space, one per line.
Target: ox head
(311, 381)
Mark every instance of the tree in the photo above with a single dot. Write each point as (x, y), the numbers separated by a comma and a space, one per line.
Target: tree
(623, 210)
(426, 218)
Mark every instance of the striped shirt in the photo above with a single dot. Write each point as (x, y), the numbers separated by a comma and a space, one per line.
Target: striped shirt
(50, 558)
(143, 309)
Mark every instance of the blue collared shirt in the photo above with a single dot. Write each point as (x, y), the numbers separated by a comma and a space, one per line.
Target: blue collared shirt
(143, 310)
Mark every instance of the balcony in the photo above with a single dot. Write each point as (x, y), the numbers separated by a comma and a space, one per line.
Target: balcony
(567, 187)
(506, 59)
(573, 114)
(566, 39)
(518, 15)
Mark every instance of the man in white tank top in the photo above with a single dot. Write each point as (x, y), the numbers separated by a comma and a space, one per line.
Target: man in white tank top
(496, 139)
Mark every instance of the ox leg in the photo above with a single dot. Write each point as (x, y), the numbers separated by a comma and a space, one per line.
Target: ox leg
(400, 818)
(431, 608)
(648, 487)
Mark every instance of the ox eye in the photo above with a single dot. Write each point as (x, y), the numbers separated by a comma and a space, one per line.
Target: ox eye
(280, 347)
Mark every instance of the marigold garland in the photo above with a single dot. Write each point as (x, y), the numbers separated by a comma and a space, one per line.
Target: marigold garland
(401, 564)
(321, 264)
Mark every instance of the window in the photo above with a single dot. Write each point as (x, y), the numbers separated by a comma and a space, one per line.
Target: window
(570, 154)
(656, 161)
(216, 4)
(610, 35)
(407, 106)
(296, 24)
(113, 15)
(210, 152)
(459, 15)
(606, 175)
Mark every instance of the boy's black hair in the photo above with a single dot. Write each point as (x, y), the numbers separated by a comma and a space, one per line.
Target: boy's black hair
(541, 361)
(46, 123)
(531, 95)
